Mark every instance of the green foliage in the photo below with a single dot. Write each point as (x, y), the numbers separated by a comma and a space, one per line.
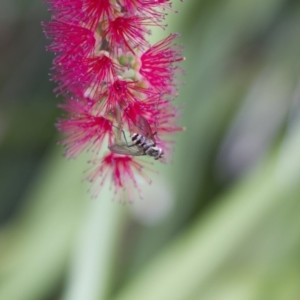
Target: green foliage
(221, 222)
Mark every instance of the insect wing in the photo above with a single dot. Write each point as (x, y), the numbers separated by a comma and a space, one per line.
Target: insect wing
(125, 150)
(144, 127)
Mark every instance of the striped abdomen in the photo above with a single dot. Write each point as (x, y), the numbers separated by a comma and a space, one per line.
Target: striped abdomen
(142, 142)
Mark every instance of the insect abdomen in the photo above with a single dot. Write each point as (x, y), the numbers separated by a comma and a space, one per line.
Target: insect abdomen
(138, 139)
(141, 141)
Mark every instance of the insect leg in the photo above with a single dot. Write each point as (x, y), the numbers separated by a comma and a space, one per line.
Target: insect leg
(123, 132)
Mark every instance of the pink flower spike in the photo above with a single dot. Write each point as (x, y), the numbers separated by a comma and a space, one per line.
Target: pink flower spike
(166, 126)
(146, 109)
(122, 172)
(114, 82)
(167, 117)
(96, 11)
(87, 77)
(157, 64)
(127, 33)
(70, 42)
(66, 10)
(124, 93)
(98, 72)
(152, 9)
(88, 12)
(84, 130)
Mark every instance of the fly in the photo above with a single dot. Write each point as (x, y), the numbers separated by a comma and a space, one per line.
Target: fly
(143, 142)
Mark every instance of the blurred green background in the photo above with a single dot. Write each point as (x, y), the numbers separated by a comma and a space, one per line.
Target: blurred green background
(219, 223)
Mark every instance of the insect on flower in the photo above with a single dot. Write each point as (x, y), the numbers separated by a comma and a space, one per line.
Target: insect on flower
(110, 73)
(143, 142)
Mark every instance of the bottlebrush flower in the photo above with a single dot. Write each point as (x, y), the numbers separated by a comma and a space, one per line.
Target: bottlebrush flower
(114, 81)
(121, 170)
(85, 129)
(157, 65)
